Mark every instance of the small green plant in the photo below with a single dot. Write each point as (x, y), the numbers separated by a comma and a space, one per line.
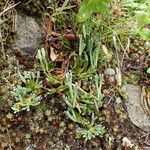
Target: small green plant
(31, 81)
(87, 59)
(46, 66)
(87, 100)
(24, 99)
(92, 130)
(88, 7)
(92, 48)
(141, 11)
(44, 62)
(57, 11)
(27, 95)
(82, 104)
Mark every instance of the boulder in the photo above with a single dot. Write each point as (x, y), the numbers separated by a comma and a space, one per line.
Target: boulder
(29, 35)
(134, 109)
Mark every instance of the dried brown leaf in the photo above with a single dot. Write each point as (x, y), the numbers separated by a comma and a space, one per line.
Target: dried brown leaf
(53, 56)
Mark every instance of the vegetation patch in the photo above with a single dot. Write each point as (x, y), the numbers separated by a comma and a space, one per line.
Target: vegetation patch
(72, 97)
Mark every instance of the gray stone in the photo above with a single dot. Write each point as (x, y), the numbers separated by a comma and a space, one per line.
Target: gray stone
(134, 109)
(29, 35)
(109, 71)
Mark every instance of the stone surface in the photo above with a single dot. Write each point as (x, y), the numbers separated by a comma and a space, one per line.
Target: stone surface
(109, 71)
(134, 109)
(29, 35)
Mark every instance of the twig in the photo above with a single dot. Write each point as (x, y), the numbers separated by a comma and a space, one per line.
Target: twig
(8, 8)
(2, 46)
(94, 98)
(9, 138)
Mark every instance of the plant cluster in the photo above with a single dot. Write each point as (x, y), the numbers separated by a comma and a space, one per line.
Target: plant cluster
(28, 95)
(90, 52)
(83, 102)
(141, 13)
(83, 105)
(46, 67)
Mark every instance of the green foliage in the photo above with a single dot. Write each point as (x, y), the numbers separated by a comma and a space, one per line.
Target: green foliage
(59, 10)
(44, 62)
(28, 95)
(31, 81)
(82, 104)
(24, 99)
(88, 7)
(143, 19)
(85, 102)
(94, 131)
(141, 11)
(86, 61)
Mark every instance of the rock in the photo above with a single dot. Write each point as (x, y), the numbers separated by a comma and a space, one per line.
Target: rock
(135, 112)
(109, 75)
(29, 35)
(109, 71)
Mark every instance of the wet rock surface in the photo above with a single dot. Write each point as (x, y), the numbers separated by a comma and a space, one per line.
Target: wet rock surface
(134, 109)
(29, 35)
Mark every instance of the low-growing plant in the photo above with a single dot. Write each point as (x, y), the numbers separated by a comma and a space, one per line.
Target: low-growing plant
(92, 130)
(78, 95)
(31, 80)
(87, 59)
(82, 104)
(24, 99)
(27, 95)
(46, 66)
(141, 10)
